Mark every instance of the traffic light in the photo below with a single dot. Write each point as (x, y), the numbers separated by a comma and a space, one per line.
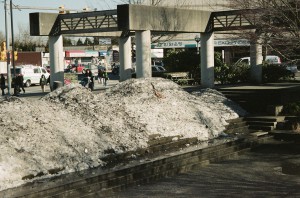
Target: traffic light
(15, 55)
(3, 51)
(3, 46)
(2, 55)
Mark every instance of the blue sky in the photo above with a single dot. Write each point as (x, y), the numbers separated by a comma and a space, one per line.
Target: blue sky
(21, 17)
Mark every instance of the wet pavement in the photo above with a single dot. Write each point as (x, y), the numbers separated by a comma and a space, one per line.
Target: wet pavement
(257, 173)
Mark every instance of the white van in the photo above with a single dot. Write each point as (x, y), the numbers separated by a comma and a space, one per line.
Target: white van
(271, 59)
(31, 74)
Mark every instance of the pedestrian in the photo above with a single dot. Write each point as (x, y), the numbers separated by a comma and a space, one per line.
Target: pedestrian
(100, 75)
(90, 79)
(2, 83)
(43, 82)
(105, 77)
(20, 82)
(49, 82)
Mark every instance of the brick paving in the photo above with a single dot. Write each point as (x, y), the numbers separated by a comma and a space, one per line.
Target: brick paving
(257, 173)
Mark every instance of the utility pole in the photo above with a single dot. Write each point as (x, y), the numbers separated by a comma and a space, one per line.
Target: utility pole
(7, 49)
(12, 37)
(13, 45)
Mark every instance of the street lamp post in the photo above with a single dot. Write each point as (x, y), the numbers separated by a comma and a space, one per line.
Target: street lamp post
(7, 47)
(197, 39)
(13, 44)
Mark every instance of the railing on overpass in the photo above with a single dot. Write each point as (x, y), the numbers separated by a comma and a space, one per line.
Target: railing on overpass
(106, 21)
(86, 22)
(233, 20)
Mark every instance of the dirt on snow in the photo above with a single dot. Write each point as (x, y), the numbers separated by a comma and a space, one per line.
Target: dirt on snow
(70, 128)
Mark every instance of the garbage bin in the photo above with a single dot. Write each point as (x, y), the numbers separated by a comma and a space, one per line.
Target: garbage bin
(57, 84)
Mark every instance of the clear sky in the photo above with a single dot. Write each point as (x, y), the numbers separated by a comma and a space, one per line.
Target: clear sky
(21, 17)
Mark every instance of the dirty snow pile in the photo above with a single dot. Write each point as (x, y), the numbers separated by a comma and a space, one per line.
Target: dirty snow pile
(69, 129)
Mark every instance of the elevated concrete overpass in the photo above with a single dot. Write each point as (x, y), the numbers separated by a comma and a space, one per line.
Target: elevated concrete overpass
(142, 21)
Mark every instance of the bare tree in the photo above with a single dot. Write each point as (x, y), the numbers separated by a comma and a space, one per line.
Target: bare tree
(25, 42)
(278, 25)
(23, 35)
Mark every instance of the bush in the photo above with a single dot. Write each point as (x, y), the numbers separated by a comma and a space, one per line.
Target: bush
(239, 73)
(275, 73)
(292, 109)
(229, 74)
(183, 61)
(189, 61)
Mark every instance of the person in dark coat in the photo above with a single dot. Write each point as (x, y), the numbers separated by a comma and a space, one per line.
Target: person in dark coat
(90, 77)
(105, 77)
(20, 82)
(49, 82)
(2, 84)
(100, 76)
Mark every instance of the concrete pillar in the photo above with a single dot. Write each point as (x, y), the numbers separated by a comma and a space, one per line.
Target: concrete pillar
(143, 54)
(256, 59)
(125, 58)
(207, 60)
(56, 59)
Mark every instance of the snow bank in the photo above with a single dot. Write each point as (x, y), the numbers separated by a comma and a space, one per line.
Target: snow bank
(69, 129)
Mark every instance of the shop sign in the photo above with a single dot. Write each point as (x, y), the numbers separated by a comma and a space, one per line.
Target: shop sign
(193, 44)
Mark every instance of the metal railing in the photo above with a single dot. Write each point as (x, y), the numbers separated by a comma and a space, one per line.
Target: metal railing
(86, 22)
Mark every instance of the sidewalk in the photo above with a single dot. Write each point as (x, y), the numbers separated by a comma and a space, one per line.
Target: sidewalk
(34, 92)
(257, 173)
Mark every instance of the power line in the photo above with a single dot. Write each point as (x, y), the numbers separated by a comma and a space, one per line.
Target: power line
(41, 8)
(101, 2)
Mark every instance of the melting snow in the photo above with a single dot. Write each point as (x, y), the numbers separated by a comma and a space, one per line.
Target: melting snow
(70, 128)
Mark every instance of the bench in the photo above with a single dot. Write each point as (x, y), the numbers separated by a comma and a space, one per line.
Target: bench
(181, 78)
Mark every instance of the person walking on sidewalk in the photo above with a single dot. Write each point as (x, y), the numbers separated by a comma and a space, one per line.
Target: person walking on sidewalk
(43, 82)
(90, 79)
(105, 77)
(20, 83)
(100, 75)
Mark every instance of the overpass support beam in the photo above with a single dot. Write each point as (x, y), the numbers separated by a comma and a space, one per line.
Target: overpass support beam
(125, 58)
(256, 59)
(143, 54)
(207, 60)
(56, 59)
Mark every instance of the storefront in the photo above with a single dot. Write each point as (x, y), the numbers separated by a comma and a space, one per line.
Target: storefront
(83, 57)
(231, 49)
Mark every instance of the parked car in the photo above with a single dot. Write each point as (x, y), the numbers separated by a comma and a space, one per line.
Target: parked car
(31, 74)
(74, 68)
(47, 68)
(271, 59)
(156, 69)
(292, 66)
